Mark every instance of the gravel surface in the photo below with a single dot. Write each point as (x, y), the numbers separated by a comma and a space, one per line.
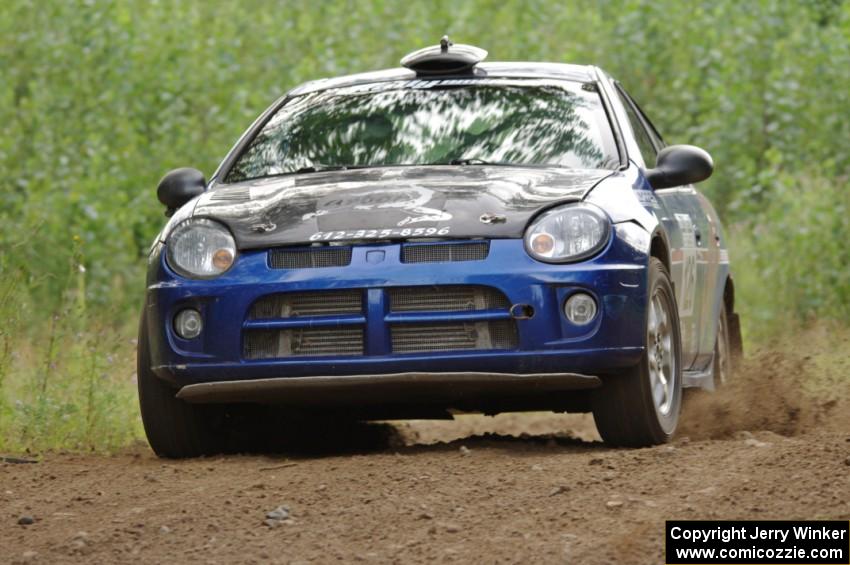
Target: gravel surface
(490, 498)
(514, 488)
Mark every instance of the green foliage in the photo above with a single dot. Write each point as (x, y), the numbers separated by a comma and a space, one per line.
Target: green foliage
(99, 98)
(791, 263)
(70, 385)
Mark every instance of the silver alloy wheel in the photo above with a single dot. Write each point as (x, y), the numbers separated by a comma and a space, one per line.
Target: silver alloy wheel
(662, 360)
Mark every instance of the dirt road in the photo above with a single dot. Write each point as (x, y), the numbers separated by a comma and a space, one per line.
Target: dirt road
(536, 488)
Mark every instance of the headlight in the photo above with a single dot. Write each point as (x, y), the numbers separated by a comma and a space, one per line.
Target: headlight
(567, 233)
(200, 248)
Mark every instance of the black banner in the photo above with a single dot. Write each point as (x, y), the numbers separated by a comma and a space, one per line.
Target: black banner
(695, 542)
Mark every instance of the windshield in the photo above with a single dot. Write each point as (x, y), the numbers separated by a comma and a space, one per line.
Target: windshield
(478, 121)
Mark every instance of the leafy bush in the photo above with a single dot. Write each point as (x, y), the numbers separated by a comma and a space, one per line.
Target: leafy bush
(791, 261)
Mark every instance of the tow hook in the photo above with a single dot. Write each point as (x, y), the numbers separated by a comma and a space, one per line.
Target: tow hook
(522, 311)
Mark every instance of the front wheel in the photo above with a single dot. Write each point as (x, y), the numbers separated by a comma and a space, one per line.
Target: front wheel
(174, 428)
(642, 407)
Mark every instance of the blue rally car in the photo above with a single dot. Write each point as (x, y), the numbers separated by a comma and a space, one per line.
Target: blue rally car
(451, 235)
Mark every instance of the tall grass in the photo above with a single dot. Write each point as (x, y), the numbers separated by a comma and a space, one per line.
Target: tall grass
(68, 382)
(98, 99)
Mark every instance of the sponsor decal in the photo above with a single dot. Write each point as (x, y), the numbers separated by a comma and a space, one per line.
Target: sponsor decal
(416, 203)
(647, 198)
(379, 233)
(687, 290)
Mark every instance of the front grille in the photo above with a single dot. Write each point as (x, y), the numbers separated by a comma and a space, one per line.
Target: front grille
(272, 344)
(296, 304)
(445, 298)
(453, 336)
(444, 252)
(310, 258)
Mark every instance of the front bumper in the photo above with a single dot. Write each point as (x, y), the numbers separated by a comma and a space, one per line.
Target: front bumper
(546, 343)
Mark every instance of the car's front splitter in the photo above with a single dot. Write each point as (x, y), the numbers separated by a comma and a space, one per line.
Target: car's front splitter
(362, 390)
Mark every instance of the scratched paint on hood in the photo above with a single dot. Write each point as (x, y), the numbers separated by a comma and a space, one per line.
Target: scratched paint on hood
(444, 200)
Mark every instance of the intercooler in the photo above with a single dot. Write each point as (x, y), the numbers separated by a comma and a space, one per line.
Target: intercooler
(300, 304)
(420, 338)
(268, 344)
(419, 319)
(445, 298)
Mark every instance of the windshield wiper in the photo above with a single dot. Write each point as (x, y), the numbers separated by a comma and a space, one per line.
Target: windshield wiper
(320, 169)
(477, 161)
(471, 161)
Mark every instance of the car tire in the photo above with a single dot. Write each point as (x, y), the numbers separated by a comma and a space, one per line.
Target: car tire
(724, 357)
(641, 408)
(174, 428)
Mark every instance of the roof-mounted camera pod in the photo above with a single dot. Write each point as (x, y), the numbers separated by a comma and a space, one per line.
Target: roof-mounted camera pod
(445, 58)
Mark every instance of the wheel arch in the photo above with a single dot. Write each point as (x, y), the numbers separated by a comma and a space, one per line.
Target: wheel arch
(660, 249)
(729, 294)
(736, 337)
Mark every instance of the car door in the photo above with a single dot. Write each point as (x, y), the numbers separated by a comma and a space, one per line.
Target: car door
(685, 223)
(713, 261)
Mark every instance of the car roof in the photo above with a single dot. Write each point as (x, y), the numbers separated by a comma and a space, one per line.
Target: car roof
(562, 71)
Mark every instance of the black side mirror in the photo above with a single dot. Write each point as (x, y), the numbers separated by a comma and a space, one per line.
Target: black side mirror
(679, 165)
(179, 186)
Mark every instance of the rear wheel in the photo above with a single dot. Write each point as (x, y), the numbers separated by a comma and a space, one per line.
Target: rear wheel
(642, 407)
(175, 428)
(723, 358)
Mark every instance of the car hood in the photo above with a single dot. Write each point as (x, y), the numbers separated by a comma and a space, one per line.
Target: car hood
(392, 203)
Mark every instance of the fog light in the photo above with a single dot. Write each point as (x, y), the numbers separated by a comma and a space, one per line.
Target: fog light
(188, 324)
(580, 309)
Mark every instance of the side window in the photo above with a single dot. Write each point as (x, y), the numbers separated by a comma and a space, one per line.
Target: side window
(644, 141)
(650, 127)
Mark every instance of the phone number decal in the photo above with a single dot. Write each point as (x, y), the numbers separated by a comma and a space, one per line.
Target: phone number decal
(378, 234)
